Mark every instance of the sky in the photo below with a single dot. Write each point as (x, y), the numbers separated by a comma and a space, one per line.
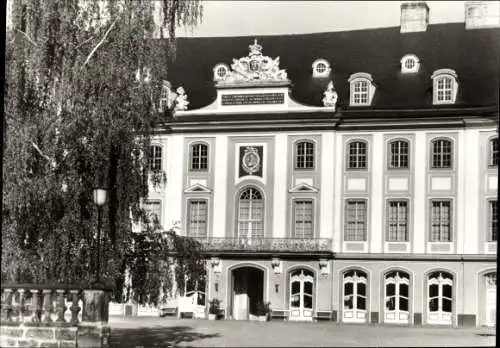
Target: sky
(240, 18)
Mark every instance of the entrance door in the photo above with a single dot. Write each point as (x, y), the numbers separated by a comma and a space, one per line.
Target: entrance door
(301, 295)
(440, 298)
(396, 297)
(355, 296)
(248, 291)
(491, 299)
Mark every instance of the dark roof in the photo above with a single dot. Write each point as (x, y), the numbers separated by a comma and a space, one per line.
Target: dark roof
(473, 54)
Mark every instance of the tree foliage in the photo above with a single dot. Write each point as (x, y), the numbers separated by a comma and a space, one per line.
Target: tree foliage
(79, 113)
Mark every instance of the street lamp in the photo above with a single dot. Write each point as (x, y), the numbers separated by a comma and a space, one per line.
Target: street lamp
(100, 198)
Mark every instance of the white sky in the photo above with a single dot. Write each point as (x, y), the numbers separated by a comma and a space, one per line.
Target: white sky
(240, 18)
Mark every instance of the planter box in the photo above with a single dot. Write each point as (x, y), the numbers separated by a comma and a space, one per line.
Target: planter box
(212, 316)
(262, 318)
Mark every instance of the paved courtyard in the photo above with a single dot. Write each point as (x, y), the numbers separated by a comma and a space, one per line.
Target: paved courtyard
(169, 332)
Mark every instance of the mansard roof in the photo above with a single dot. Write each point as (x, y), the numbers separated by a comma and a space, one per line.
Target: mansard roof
(473, 54)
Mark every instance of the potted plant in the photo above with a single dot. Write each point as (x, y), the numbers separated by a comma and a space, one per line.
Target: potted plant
(213, 309)
(263, 311)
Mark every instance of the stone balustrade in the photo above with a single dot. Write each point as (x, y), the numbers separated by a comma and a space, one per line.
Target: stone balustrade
(304, 245)
(53, 316)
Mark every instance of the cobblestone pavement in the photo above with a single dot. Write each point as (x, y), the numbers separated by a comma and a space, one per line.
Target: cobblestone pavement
(170, 332)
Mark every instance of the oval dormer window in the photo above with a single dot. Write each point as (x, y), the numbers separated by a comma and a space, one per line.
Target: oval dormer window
(409, 64)
(321, 68)
(220, 72)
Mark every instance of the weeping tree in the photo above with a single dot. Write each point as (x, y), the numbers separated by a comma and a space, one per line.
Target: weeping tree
(80, 85)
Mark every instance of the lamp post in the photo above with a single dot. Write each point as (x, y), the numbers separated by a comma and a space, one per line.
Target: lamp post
(100, 198)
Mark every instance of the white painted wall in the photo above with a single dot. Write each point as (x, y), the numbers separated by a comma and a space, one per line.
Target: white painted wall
(418, 206)
(220, 186)
(174, 189)
(377, 184)
(280, 193)
(338, 206)
(327, 185)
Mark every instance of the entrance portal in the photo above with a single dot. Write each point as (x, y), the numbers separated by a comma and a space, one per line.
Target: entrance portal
(247, 291)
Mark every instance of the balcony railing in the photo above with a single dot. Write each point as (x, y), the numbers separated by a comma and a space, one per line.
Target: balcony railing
(302, 245)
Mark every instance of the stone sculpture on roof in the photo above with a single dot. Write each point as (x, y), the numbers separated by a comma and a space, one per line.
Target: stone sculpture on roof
(255, 67)
(330, 96)
(181, 102)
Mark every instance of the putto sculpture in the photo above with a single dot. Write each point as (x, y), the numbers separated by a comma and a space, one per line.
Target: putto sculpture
(330, 96)
(181, 102)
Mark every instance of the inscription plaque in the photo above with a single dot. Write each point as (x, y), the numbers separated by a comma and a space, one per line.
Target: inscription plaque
(253, 99)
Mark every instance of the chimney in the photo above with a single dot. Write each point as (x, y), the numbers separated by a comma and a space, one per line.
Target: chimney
(482, 14)
(414, 16)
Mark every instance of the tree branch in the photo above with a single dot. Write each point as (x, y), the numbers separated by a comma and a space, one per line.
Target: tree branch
(51, 161)
(27, 37)
(99, 44)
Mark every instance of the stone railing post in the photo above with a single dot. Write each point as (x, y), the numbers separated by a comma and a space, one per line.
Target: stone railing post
(20, 306)
(36, 307)
(75, 308)
(7, 306)
(94, 330)
(60, 307)
(47, 306)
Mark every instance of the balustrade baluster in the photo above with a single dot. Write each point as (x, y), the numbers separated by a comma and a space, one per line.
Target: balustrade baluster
(61, 305)
(47, 306)
(36, 306)
(21, 308)
(7, 305)
(74, 306)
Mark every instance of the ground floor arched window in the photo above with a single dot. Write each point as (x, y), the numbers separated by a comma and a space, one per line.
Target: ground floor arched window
(491, 298)
(397, 286)
(301, 294)
(355, 284)
(440, 298)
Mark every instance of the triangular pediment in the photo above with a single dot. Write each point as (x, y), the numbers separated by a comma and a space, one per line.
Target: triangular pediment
(197, 188)
(303, 187)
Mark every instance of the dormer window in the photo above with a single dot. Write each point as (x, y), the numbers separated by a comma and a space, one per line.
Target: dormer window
(321, 68)
(220, 72)
(445, 86)
(362, 89)
(410, 64)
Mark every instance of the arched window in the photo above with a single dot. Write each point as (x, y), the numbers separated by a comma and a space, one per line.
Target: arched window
(355, 296)
(397, 285)
(154, 158)
(442, 153)
(440, 298)
(301, 294)
(399, 154)
(493, 160)
(445, 86)
(358, 155)
(362, 89)
(491, 298)
(250, 213)
(304, 155)
(199, 157)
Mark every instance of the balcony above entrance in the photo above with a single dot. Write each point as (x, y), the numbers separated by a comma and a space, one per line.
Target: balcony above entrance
(295, 246)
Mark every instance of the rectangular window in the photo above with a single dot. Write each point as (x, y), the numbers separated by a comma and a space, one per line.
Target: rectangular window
(355, 225)
(493, 220)
(199, 157)
(154, 158)
(399, 154)
(304, 156)
(303, 219)
(441, 154)
(444, 89)
(397, 221)
(441, 221)
(494, 152)
(153, 214)
(197, 218)
(357, 155)
(360, 93)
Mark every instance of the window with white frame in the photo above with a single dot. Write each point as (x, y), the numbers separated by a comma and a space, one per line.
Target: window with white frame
(445, 86)
(152, 209)
(493, 160)
(410, 64)
(397, 221)
(356, 219)
(361, 89)
(397, 285)
(358, 155)
(304, 155)
(440, 298)
(220, 72)
(154, 158)
(321, 68)
(197, 218)
(250, 213)
(303, 216)
(355, 295)
(493, 220)
(441, 221)
(199, 157)
(442, 153)
(399, 154)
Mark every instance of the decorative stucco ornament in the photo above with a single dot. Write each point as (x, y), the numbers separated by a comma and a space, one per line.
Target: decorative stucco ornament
(181, 102)
(255, 67)
(251, 160)
(330, 96)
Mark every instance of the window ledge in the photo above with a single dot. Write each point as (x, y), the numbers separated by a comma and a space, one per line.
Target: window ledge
(440, 247)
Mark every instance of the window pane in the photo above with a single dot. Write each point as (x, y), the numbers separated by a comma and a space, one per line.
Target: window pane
(433, 305)
(295, 300)
(295, 287)
(493, 220)
(390, 289)
(348, 289)
(308, 303)
(390, 303)
(403, 304)
(447, 290)
(361, 303)
(433, 290)
(361, 289)
(447, 305)
(403, 290)
(348, 302)
(308, 288)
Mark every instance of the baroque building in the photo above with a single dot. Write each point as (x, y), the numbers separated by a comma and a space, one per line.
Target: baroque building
(347, 176)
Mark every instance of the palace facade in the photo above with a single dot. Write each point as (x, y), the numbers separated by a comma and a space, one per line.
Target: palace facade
(347, 176)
